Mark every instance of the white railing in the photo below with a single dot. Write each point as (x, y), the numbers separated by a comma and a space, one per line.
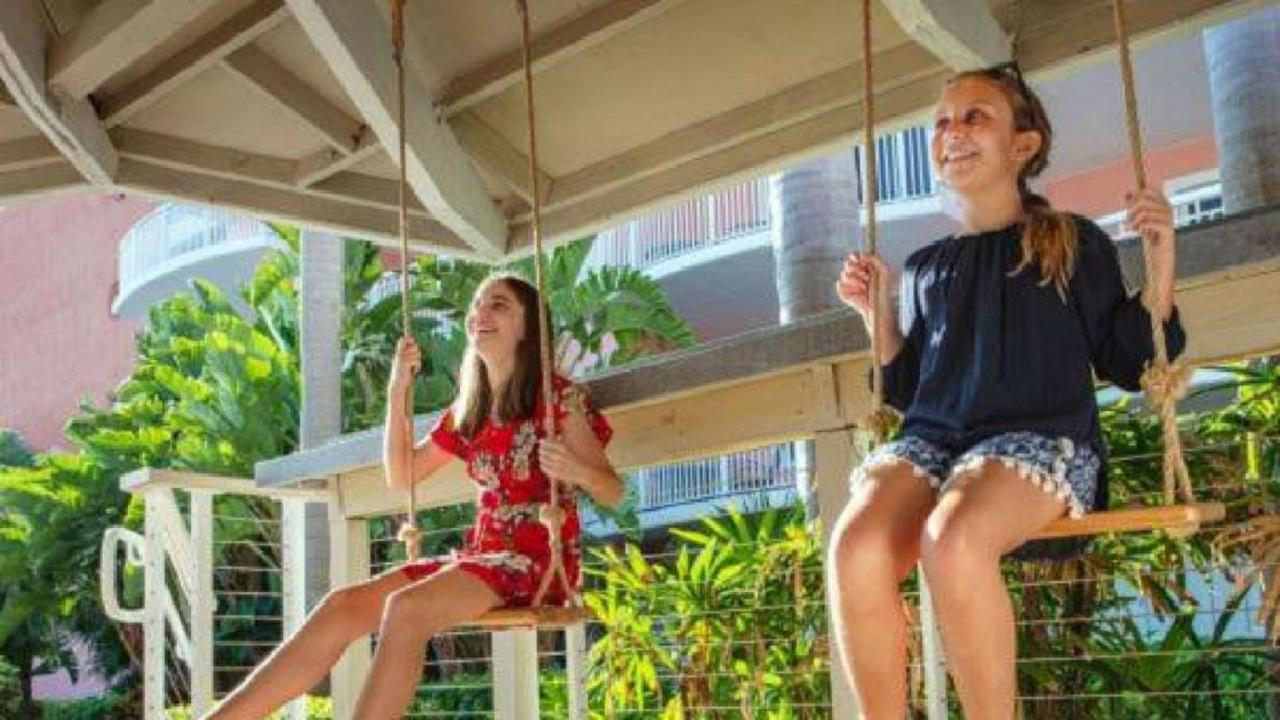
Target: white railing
(760, 469)
(692, 225)
(185, 546)
(173, 232)
(903, 168)
(1197, 205)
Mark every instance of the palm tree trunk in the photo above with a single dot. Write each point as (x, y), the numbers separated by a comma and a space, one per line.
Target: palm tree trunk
(814, 209)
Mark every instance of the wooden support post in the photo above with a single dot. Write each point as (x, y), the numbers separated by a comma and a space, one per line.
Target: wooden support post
(153, 685)
(833, 462)
(935, 665)
(293, 580)
(515, 675)
(575, 660)
(349, 563)
(202, 602)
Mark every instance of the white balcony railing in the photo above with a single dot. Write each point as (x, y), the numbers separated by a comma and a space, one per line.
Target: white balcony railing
(178, 234)
(1192, 206)
(692, 225)
(761, 469)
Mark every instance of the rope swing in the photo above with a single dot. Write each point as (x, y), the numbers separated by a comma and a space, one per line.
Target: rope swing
(551, 514)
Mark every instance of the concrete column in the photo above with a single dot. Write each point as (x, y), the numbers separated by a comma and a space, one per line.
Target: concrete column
(814, 209)
(1243, 59)
(320, 340)
(814, 216)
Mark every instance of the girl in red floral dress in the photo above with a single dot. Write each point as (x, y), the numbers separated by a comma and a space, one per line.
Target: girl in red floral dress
(493, 426)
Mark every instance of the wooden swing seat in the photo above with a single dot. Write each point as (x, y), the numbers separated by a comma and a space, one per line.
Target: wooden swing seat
(547, 617)
(1177, 520)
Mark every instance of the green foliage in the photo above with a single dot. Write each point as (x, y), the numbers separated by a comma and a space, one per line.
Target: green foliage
(112, 706)
(318, 708)
(735, 619)
(14, 451)
(10, 690)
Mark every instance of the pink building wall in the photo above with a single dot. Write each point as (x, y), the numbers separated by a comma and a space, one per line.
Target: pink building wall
(1100, 191)
(58, 339)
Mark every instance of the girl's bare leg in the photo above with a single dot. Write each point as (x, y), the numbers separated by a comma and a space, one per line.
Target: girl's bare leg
(413, 614)
(344, 615)
(987, 514)
(876, 543)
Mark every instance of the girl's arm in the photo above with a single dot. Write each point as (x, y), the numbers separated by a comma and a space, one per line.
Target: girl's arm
(427, 456)
(578, 459)
(397, 436)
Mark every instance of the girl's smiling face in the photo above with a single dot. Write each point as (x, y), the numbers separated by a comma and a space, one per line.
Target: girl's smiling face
(974, 146)
(495, 323)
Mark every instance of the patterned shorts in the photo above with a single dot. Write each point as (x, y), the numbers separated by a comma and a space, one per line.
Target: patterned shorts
(1058, 466)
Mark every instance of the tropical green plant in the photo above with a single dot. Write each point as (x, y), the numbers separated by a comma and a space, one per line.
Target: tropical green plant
(731, 623)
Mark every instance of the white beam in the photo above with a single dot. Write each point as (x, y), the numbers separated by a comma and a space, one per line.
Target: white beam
(327, 162)
(28, 153)
(294, 96)
(306, 209)
(357, 45)
(961, 33)
(555, 45)
(179, 154)
(192, 60)
(39, 182)
(491, 151)
(114, 35)
(67, 120)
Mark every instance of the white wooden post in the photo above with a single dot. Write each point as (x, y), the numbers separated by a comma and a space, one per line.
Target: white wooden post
(153, 668)
(515, 675)
(202, 602)
(293, 580)
(935, 666)
(833, 462)
(349, 562)
(575, 661)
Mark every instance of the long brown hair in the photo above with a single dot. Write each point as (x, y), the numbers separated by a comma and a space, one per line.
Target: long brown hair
(1049, 237)
(475, 400)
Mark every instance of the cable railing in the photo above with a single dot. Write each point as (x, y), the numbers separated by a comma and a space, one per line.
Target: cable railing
(725, 616)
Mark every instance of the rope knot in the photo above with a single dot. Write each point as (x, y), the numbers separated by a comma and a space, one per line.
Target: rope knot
(411, 536)
(879, 423)
(1165, 383)
(552, 516)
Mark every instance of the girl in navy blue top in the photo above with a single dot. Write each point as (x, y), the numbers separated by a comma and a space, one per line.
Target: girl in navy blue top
(991, 357)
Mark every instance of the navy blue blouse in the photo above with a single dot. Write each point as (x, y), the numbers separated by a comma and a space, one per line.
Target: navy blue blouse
(989, 351)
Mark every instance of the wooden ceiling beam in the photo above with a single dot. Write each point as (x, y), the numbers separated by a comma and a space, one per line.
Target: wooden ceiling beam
(294, 96)
(356, 44)
(963, 34)
(237, 166)
(210, 49)
(306, 209)
(68, 121)
(491, 151)
(114, 35)
(560, 43)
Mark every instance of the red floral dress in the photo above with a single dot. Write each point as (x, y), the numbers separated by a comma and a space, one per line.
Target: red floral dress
(508, 546)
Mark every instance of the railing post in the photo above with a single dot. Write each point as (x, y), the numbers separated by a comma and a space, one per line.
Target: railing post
(515, 675)
(202, 602)
(575, 661)
(293, 580)
(153, 667)
(833, 462)
(349, 563)
(935, 667)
